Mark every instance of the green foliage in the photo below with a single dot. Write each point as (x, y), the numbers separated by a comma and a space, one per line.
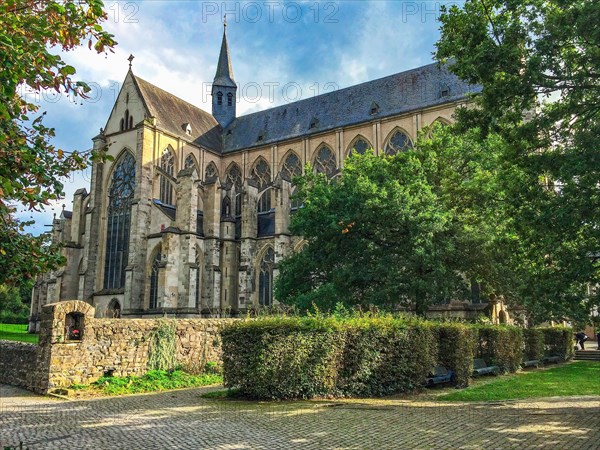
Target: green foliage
(17, 332)
(538, 60)
(500, 345)
(32, 168)
(534, 344)
(559, 341)
(577, 378)
(161, 350)
(456, 346)
(153, 380)
(11, 304)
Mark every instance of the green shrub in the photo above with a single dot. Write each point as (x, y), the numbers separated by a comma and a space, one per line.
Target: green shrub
(282, 358)
(161, 350)
(558, 341)
(500, 345)
(456, 346)
(533, 342)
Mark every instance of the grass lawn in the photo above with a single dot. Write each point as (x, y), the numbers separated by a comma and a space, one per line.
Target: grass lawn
(575, 378)
(12, 332)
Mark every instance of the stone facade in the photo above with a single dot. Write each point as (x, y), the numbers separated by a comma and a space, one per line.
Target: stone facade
(201, 224)
(100, 346)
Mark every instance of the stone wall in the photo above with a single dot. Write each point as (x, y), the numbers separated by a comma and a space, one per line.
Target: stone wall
(119, 346)
(19, 364)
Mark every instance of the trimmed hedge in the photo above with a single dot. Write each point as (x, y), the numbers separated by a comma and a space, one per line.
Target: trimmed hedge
(500, 345)
(304, 357)
(284, 358)
(533, 344)
(559, 341)
(456, 346)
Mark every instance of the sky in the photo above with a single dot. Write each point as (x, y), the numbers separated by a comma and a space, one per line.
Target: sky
(281, 51)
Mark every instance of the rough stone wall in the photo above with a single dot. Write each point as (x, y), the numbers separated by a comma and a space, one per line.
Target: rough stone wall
(19, 364)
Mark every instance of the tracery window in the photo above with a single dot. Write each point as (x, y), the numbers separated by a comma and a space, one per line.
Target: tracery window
(154, 279)
(399, 142)
(292, 167)
(360, 146)
(234, 177)
(167, 164)
(118, 223)
(211, 173)
(190, 161)
(261, 174)
(325, 162)
(265, 278)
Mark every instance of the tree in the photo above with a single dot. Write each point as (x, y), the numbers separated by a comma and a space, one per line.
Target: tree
(409, 230)
(539, 67)
(31, 34)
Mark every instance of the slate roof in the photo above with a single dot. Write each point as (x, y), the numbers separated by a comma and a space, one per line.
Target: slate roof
(406, 91)
(173, 113)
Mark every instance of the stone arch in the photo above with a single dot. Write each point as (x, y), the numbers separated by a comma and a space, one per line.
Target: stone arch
(325, 161)
(291, 165)
(300, 245)
(211, 173)
(441, 120)
(261, 173)
(357, 141)
(191, 161)
(114, 309)
(233, 176)
(395, 143)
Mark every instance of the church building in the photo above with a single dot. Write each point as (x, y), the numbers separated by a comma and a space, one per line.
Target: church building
(190, 215)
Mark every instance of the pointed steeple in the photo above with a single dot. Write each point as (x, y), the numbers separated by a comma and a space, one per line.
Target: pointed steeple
(224, 75)
(224, 89)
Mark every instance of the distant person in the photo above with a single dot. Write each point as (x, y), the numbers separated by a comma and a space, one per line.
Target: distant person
(581, 338)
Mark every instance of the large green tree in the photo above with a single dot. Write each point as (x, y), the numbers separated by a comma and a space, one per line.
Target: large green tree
(32, 35)
(539, 65)
(410, 230)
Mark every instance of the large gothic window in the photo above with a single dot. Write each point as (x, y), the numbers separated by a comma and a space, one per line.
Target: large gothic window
(265, 278)
(292, 167)
(399, 142)
(261, 174)
(233, 177)
(118, 224)
(359, 146)
(154, 279)
(190, 162)
(167, 164)
(325, 162)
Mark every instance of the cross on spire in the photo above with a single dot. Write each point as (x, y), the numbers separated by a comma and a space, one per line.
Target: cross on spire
(130, 59)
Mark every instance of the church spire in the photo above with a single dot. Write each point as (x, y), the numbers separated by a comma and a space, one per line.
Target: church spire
(224, 88)
(224, 75)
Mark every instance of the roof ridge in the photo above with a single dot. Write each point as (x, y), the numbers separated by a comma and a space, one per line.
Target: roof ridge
(296, 102)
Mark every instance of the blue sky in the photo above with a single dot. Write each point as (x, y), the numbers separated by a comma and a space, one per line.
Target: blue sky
(280, 50)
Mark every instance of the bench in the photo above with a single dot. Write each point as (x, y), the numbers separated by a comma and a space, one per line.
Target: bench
(531, 363)
(440, 375)
(551, 359)
(481, 368)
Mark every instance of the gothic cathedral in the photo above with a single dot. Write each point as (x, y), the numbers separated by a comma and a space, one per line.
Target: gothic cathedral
(190, 216)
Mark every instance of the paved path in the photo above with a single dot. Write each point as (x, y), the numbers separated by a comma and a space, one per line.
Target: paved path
(182, 420)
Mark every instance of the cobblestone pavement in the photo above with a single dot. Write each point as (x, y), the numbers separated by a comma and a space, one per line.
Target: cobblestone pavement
(183, 420)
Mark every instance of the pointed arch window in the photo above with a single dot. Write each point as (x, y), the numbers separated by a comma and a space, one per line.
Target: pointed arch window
(154, 279)
(325, 162)
(118, 223)
(229, 99)
(261, 174)
(233, 177)
(219, 98)
(167, 164)
(211, 173)
(265, 278)
(359, 146)
(399, 142)
(190, 161)
(292, 167)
